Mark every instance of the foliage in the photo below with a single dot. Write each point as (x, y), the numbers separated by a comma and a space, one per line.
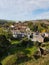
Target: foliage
(20, 51)
(5, 32)
(38, 26)
(10, 60)
(4, 45)
(46, 39)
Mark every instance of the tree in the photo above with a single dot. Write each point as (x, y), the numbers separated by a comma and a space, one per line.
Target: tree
(30, 25)
(0, 64)
(4, 45)
(43, 25)
(6, 32)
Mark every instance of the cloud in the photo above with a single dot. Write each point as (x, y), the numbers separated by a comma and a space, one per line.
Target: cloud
(21, 9)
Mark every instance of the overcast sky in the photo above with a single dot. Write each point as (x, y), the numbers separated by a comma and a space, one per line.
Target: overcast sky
(24, 9)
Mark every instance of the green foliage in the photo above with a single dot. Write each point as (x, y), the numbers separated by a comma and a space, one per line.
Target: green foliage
(5, 32)
(4, 45)
(30, 25)
(10, 60)
(37, 44)
(43, 25)
(0, 63)
(40, 29)
(38, 26)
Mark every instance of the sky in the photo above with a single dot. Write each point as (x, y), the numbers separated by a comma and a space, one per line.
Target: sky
(24, 9)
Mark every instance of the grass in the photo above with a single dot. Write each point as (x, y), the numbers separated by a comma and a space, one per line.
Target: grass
(11, 59)
(40, 61)
(47, 45)
(14, 50)
(6, 59)
(29, 51)
(32, 50)
(15, 41)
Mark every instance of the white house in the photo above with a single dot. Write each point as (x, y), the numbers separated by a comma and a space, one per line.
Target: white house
(38, 38)
(46, 34)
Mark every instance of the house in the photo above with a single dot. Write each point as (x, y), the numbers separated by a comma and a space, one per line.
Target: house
(45, 34)
(20, 30)
(17, 34)
(20, 34)
(38, 38)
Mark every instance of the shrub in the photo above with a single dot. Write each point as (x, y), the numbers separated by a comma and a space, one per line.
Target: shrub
(46, 39)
